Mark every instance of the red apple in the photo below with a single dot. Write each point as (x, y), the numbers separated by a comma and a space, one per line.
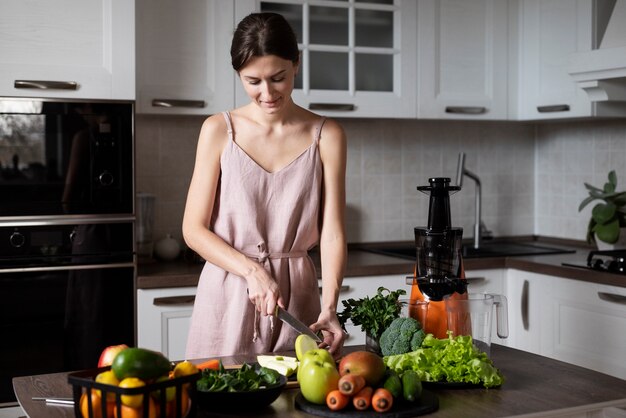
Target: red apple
(109, 353)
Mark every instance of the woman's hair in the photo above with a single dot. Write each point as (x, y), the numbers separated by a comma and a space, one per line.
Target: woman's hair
(261, 34)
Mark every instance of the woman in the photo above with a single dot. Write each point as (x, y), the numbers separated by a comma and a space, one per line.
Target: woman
(268, 185)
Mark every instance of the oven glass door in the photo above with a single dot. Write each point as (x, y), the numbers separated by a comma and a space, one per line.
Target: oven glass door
(61, 318)
(61, 158)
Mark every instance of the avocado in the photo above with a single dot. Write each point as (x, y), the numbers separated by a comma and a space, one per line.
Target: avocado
(141, 363)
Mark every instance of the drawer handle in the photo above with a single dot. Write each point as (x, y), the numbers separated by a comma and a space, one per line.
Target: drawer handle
(612, 297)
(178, 103)
(331, 106)
(343, 289)
(174, 300)
(553, 108)
(45, 85)
(524, 304)
(466, 110)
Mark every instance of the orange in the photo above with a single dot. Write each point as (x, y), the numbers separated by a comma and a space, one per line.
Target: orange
(129, 412)
(96, 405)
(134, 401)
(171, 405)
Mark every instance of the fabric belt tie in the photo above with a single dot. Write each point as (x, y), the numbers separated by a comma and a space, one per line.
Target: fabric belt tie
(263, 256)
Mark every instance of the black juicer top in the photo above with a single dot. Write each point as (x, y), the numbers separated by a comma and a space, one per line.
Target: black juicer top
(439, 207)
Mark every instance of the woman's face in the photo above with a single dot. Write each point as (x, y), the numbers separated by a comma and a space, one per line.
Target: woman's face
(268, 81)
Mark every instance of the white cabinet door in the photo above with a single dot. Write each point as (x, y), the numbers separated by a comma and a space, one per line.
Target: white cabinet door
(550, 31)
(68, 49)
(462, 58)
(589, 326)
(358, 56)
(360, 287)
(529, 315)
(183, 58)
(163, 319)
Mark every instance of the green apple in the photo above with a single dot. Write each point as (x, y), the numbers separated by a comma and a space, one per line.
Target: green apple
(318, 354)
(317, 379)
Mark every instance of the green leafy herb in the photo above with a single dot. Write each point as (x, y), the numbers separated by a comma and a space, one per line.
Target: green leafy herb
(452, 359)
(245, 379)
(374, 314)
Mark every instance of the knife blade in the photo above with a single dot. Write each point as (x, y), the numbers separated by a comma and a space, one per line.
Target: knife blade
(295, 323)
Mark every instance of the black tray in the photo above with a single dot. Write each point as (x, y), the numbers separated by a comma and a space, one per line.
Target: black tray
(428, 403)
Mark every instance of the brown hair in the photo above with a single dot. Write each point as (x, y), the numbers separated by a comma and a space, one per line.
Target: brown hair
(261, 34)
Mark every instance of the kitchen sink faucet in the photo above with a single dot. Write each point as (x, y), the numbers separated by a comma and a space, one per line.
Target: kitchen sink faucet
(478, 225)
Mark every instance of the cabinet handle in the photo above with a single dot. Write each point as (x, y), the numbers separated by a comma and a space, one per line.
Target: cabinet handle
(553, 108)
(178, 103)
(612, 297)
(344, 288)
(525, 305)
(174, 300)
(45, 85)
(331, 106)
(466, 110)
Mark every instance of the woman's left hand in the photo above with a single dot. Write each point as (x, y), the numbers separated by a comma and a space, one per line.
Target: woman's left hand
(332, 332)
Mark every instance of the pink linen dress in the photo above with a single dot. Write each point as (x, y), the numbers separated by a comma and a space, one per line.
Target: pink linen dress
(275, 219)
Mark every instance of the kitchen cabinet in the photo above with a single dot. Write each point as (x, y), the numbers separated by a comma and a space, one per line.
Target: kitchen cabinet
(527, 296)
(183, 56)
(358, 58)
(588, 324)
(359, 287)
(68, 49)
(463, 59)
(163, 318)
(550, 31)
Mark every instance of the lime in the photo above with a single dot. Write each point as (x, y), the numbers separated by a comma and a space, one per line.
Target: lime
(303, 344)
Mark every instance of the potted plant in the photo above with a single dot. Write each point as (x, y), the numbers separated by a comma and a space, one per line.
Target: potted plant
(607, 216)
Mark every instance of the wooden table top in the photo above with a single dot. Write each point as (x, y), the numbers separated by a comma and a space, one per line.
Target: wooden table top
(532, 384)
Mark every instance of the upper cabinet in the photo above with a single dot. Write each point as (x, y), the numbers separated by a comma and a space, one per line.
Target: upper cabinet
(358, 57)
(550, 31)
(463, 59)
(68, 49)
(183, 56)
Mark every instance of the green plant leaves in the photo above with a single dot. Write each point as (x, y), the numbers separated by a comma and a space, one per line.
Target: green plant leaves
(609, 232)
(603, 212)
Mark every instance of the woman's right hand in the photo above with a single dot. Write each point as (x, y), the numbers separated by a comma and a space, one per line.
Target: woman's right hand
(263, 290)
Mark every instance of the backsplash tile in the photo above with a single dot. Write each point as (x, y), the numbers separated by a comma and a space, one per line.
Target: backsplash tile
(387, 159)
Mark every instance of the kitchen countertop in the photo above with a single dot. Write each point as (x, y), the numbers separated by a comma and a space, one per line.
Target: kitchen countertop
(363, 263)
(533, 384)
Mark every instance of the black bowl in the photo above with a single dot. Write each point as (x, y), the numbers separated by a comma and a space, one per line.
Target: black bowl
(231, 401)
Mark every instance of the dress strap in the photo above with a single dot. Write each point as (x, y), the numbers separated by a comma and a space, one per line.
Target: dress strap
(318, 130)
(229, 125)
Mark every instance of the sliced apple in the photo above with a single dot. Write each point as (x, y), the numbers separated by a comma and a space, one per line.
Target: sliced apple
(284, 365)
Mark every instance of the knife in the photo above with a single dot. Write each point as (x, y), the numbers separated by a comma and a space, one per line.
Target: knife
(294, 323)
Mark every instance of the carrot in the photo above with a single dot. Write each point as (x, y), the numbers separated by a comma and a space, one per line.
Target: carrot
(213, 364)
(382, 400)
(336, 400)
(350, 384)
(363, 399)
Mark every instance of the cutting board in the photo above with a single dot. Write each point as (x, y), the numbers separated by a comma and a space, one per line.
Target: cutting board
(427, 404)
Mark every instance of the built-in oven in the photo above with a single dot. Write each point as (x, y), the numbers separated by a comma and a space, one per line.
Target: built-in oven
(67, 247)
(65, 157)
(67, 291)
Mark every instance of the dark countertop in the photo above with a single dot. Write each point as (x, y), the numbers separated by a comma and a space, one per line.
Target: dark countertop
(532, 384)
(364, 263)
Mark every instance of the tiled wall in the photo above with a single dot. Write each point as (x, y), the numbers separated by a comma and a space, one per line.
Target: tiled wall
(568, 155)
(387, 159)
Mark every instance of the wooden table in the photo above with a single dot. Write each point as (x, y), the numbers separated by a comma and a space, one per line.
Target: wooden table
(532, 384)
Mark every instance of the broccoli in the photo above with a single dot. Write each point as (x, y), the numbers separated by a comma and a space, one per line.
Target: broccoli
(402, 336)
